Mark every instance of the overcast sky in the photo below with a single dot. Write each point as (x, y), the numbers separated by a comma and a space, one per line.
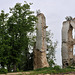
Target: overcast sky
(55, 12)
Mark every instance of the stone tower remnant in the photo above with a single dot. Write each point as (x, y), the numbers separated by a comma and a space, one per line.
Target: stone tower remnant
(40, 48)
(68, 59)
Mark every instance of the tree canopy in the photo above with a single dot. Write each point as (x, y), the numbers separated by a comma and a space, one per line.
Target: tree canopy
(14, 40)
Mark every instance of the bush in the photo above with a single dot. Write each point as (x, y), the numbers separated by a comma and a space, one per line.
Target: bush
(2, 70)
(57, 67)
(70, 67)
(40, 69)
(17, 69)
(51, 63)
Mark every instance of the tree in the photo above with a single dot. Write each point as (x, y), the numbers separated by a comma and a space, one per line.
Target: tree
(51, 46)
(14, 39)
(4, 39)
(20, 23)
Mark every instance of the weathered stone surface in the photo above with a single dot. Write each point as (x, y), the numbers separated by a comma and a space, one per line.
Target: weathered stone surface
(40, 60)
(74, 58)
(67, 43)
(40, 48)
(41, 33)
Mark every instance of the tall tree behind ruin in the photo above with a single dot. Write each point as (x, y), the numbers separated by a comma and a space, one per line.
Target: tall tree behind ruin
(19, 24)
(51, 48)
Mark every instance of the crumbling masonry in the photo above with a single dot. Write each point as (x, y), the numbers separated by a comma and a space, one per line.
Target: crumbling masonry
(40, 48)
(68, 58)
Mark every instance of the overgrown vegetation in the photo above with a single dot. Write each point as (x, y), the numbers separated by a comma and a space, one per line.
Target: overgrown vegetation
(51, 48)
(2, 70)
(53, 70)
(17, 29)
(14, 40)
(50, 70)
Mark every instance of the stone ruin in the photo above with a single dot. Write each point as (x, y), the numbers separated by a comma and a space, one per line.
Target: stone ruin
(68, 42)
(40, 47)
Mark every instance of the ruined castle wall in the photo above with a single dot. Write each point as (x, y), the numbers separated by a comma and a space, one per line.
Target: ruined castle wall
(65, 56)
(40, 59)
(41, 33)
(65, 31)
(67, 43)
(73, 23)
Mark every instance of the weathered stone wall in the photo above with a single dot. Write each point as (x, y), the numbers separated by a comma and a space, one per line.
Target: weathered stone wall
(40, 60)
(67, 43)
(41, 33)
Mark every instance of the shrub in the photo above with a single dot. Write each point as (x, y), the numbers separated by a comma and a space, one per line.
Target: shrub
(57, 67)
(2, 70)
(51, 63)
(70, 67)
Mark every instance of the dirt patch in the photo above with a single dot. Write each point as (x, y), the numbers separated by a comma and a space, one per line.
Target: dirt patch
(27, 73)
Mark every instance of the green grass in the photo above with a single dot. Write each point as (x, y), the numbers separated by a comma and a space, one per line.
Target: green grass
(51, 70)
(54, 70)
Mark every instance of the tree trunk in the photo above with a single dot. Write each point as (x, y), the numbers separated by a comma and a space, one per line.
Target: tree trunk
(14, 67)
(9, 68)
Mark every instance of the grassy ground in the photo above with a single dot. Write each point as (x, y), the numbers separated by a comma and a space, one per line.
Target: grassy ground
(55, 70)
(49, 70)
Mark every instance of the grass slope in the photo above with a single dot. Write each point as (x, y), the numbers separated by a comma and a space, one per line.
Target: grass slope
(46, 70)
(54, 70)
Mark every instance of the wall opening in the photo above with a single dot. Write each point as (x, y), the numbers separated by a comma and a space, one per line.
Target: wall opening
(73, 49)
(73, 33)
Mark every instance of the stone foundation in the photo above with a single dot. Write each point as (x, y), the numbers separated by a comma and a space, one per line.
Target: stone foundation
(40, 60)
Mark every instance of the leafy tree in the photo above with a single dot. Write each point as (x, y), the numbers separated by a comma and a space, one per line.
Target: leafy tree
(4, 39)
(14, 39)
(20, 23)
(51, 46)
